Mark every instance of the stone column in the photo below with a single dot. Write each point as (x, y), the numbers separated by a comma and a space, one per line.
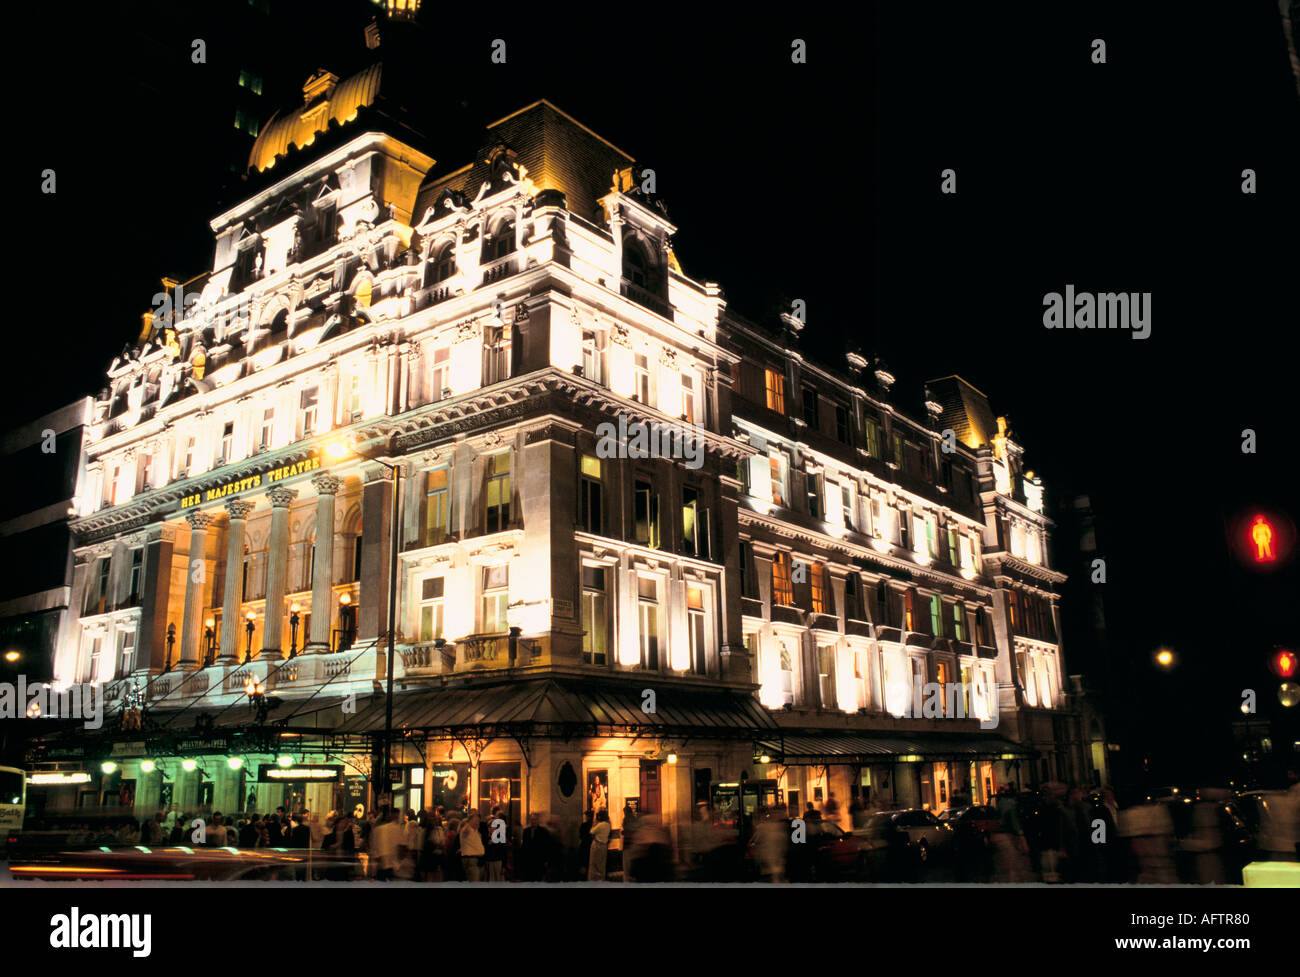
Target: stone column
(151, 641)
(231, 621)
(322, 591)
(195, 576)
(277, 570)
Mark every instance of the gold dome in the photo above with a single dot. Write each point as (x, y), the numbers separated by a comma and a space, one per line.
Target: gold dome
(325, 98)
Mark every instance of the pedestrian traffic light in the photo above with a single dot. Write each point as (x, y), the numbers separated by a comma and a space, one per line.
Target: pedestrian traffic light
(1262, 538)
(1283, 663)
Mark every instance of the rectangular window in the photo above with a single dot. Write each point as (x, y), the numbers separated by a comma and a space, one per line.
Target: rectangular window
(876, 529)
(648, 620)
(92, 663)
(814, 483)
(875, 438)
(432, 593)
(817, 581)
(826, 675)
(778, 470)
(691, 522)
(268, 429)
(908, 620)
(904, 523)
(810, 408)
(137, 575)
(496, 598)
(936, 616)
(898, 450)
(688, 398)
(440, 376)
(589, 494)
(190, 443)
(126, 653)
(105, 566)
(747, 581)
(931, 535)
(645, 514)
(942, 677)
(852, 598)
(774, 385)
(782, 589)
(354, 399)
(841, 424)
(695, 629)
(437, 506)
(952, 546)
(959, 621)
(307, 409)
(786, 664)
(846, 503)
(641, 377)
(498, 492)
(1013, 605)
(595, 616)
(227, 443)
(591, 357)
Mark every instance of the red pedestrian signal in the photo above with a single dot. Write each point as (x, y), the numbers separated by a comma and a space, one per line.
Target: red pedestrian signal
(1284, 662)
(1262, 536)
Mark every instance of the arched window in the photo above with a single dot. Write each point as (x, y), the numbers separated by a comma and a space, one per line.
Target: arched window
(634, 265)
(443, 265)
(501, 243)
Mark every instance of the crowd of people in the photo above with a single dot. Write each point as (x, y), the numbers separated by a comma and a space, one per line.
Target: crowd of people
(1056, 833)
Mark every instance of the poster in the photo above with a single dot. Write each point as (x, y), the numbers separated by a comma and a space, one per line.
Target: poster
(449, 785)
(597, 791)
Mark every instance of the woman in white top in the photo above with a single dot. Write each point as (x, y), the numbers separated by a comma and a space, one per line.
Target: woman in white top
(599, 848)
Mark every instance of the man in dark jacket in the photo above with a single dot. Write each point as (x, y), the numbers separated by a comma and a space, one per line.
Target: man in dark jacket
(534, 849)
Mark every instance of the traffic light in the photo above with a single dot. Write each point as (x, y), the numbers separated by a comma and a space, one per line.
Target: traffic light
(1262, 539)
(1283, 663)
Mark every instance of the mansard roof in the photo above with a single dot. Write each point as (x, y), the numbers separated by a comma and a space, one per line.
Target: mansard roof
(557, 151)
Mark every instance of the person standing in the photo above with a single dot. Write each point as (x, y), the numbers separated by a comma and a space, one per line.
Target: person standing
(599, 848)
(534, 850)
(584, 841)
(471, 848)
(385, 839)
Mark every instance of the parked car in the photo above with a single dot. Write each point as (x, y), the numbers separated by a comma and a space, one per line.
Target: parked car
(829, 854)
(899, 843)
(974, 822)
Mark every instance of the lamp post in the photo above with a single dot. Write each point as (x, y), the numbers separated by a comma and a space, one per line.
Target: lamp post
(339, 450)
(171, 640)
(293, 629)
(250, 617)
(209, 639)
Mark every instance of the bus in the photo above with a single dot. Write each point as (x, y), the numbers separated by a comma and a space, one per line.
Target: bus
(13, 803)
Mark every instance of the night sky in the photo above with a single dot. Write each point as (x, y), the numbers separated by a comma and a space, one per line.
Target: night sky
(820, 182)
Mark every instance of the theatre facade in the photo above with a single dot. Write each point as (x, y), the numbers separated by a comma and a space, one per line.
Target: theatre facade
(389, 350)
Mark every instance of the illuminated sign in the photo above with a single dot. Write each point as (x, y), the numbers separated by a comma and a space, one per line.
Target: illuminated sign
(1283, 663)
(303, 771)
(56, 779)
(1261, 538)
(237, 485)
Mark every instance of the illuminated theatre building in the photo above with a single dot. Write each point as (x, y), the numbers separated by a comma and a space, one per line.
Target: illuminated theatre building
(572, 630)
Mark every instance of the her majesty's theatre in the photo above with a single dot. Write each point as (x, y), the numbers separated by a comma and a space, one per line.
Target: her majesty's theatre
(388, 351)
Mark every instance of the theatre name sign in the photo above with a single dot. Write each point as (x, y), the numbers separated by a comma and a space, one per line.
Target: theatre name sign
(234, 486)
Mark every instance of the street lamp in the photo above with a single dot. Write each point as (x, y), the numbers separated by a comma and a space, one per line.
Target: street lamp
(293, 628)
(209, 637)
(1165, 658)
(339, 450)
(250, 616)
(12, 656)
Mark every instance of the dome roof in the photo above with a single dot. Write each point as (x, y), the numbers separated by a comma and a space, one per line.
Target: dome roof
(325, 100)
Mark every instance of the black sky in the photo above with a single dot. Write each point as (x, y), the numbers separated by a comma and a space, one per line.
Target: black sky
(821, 182)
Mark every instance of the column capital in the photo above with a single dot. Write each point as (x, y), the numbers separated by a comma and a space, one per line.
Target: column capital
(239, 508)
(199, 520)
(281, 497)
(327, 484)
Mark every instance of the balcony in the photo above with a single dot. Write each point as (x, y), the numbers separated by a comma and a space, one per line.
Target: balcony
(644, 298)
(495, 271)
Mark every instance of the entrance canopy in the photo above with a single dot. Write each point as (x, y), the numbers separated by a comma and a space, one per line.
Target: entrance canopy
(804, 750)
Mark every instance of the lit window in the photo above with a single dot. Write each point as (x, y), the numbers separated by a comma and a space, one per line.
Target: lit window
(641, 370)
(648, 620)
(498, 493)
(695, 524)
(126, 653)
(307, 411)
(432, 593)
(589, 494)
(227, 443)
(496, 599)
(695, 628)
(936, 616)
(645, 514)
(688, 398)
(782, 589)
(786, 665)
(268, 428)
(817, 580)
(440, 379)
(777, 465)
(826, 675)
(774, 384)
(591, 361)
(595, 616)
(437, 506)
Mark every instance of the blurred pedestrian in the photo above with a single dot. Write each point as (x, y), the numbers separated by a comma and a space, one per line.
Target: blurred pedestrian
(600, 833)
(472, 849)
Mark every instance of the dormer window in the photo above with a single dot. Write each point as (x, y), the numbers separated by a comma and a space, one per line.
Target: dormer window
(634, 264)
(443, 265)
